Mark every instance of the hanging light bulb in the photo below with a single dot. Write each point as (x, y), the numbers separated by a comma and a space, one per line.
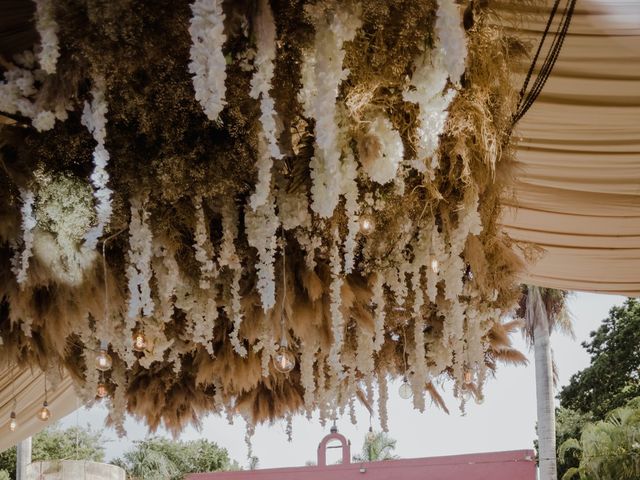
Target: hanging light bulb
(370, 435)
(367, 224)
(434, 264)
(103, 360)
(13, 423)
(102, 391)
(405, 390)
(479, 399)
(284, 360)
(139, 342)
(44, 414)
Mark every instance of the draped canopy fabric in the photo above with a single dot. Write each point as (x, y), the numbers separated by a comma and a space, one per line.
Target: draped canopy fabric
(577, 193)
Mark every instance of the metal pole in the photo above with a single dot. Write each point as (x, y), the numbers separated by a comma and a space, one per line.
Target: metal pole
(23, 459)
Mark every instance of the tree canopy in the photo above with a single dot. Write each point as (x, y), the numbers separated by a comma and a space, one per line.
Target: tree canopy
(607, 449)
(613, 377)
(379, 446)
(161, 459)
(54, 443)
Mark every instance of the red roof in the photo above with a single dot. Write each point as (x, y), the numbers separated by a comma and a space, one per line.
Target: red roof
(515, 465)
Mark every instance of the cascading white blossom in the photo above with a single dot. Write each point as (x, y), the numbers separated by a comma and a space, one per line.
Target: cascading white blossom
(384, 151)
(94, 118)
(139, 267)
(452, 39)
(383, 398)
(268, 149)
(19, 95)
(47, 28)
(208, 65)
(20, 262)
(350, 192)
(337, 318)
(167, 275)
(322, 74)
(261, 227)
(293, 209)
(234, 312)
(427, 87)
(203, 247)
(379, 314)
(307, 379)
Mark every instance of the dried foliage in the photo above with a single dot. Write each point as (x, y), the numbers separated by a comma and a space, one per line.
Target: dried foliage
(210, 342)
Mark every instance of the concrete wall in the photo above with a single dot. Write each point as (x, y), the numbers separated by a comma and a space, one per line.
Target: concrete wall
(74, 470)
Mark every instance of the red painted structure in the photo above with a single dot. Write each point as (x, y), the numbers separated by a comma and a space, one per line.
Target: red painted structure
(515, 465)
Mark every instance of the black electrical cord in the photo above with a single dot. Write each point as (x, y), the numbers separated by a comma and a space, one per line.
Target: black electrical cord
(527, 99)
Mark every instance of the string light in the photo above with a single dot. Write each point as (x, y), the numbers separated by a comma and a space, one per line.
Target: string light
(284, 361)
(405, 390)
(13, 423)
(434, 264)
(44, 413)
(102, 391)
(367, 224)
(139, 342)
(103, 361)
(370, 435)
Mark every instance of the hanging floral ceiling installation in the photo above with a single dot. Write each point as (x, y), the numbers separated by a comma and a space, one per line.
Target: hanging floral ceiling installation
(217, 192)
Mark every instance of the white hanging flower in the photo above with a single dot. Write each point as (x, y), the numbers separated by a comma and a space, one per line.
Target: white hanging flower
(307, 378)
(265, 31)
(48, 30)
(208, 65)
(383, 153)
(293, 209)
(139, 268)
(337, 319)
(203, 247)
(452, 39)
(94, 118)
(20, 264)
(350, 192)
(261, 227)
(379, 313)
(383, 398)
(234, 312)
(18, 95)
(322, 74)
(429, 81)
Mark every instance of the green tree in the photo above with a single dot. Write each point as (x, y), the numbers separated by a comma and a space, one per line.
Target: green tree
(377, 447)
(613, 377)
(569, 424)
(161, 458)
(54, 443)
(608, 449)
(4, 475)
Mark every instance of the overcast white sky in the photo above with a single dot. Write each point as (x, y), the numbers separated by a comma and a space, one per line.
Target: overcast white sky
(506, 420)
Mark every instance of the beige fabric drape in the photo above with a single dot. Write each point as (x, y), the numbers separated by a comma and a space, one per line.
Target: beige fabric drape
(29, 392)
(577, 193)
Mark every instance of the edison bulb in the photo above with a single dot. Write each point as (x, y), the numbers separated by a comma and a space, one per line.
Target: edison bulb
(405, 390)
(367, 225)
(139, 342)
(434, 265)
(370, 435)
(284, 361)
(13, 423)
(44, 414)
(103, 360)
(480, 399)
(101, 391)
